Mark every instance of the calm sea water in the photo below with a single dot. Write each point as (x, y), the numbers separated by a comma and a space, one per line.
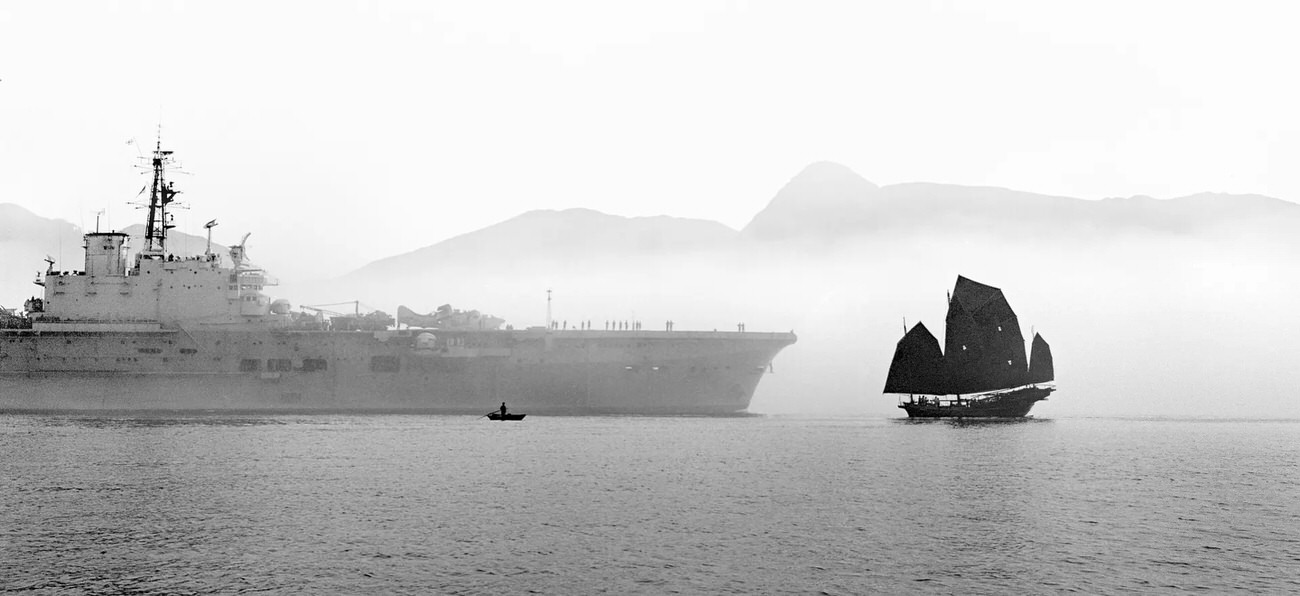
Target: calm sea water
(458, 505)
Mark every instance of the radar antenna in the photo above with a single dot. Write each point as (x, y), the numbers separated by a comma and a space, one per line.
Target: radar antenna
(237, 253)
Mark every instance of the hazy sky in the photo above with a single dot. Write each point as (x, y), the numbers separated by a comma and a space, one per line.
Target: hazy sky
(370, 129)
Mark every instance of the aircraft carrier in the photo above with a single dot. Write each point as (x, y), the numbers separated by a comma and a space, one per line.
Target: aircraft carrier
(162, 332)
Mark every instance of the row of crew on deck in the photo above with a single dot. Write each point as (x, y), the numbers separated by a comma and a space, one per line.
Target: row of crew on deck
(620, 326)
(169, 259)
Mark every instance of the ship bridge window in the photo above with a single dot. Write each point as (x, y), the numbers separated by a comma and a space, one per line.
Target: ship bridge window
(250, 365)
(385, 364)
(279, 365)
(313, 364)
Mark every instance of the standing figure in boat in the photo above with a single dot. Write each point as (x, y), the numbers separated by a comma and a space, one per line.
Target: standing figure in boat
(982, 372)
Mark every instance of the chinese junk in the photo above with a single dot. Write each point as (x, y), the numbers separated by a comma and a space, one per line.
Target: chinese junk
(982, 371)
(158, 330)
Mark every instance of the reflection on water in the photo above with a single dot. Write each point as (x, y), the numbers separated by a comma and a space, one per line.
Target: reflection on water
(973, 422)
(148, 504)
(160, 419)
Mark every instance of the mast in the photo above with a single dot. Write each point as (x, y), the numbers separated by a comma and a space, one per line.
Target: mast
(161, 194)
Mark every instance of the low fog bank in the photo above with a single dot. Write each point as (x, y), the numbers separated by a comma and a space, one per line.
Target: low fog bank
(1191, 318)
(1174, 327)
(1160, 326)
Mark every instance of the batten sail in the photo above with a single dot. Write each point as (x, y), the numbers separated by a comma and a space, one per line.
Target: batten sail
(918, 364)
(1040, 361)
(984, 349)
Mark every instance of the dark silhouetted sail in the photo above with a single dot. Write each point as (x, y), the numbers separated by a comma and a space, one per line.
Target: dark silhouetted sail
(1040, 361)
(984, 361)
(918, 364)
(984, 348)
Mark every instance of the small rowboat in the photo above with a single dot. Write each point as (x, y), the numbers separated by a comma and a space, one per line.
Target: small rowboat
(499, 416)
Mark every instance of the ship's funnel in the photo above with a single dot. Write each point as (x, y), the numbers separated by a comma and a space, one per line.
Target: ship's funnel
(104, 254)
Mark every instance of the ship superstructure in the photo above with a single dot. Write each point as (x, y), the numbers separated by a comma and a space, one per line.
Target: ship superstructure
(159, 331)
(158, 290)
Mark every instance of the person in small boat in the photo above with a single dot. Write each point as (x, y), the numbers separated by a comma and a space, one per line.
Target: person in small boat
(503, 409)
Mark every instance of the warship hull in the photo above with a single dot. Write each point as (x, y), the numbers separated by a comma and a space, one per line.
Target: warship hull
(542, 372)
(1011, 404)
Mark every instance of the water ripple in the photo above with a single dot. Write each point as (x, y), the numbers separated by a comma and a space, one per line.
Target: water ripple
(417, 505)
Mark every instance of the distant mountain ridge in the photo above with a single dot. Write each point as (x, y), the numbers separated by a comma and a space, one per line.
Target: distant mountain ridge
(27, 239)
(829, 200)
(19, 225)
(566, 234)
(825, 201)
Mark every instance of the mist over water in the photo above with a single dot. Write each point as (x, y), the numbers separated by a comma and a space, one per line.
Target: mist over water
(1140, 324)
(416, 504)
(1179, 307)
(1168, 460)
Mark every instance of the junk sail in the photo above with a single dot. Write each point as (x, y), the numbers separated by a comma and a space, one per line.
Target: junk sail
(918, 364)
(983, 350)
(1040, 361)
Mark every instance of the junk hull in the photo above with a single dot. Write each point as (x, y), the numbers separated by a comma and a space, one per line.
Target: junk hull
(1012, 404)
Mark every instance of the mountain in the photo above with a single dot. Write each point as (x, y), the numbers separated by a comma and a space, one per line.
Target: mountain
(825, 198)
(828, 201)
(22, 227)
(599, 266)
(27, 239)
(566, 235)
(826, 214)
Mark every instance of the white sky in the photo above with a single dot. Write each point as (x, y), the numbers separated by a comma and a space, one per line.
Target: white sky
(370, 129)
